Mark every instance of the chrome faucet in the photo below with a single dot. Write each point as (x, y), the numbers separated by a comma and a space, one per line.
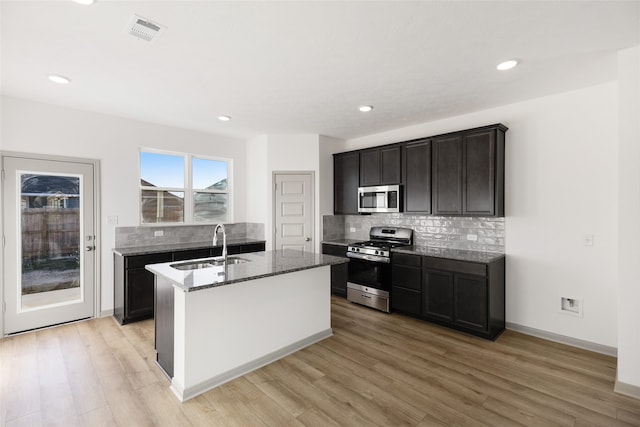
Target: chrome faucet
(224, 240)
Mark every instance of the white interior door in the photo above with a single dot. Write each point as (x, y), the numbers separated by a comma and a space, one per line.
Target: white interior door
(293, 220)
(48, 226)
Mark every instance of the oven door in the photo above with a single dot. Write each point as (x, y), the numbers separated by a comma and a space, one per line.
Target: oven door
(373, 274)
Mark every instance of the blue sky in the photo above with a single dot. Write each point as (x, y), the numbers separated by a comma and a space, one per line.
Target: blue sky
(164, 170)
(208, 172)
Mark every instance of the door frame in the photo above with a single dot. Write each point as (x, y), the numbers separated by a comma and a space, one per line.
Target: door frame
(97, 297)
(312, 175)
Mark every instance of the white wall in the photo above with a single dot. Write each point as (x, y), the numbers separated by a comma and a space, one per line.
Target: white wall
(280, 153)
(293, 153)
(32, 127)
(561, 181)
(258, 190)
(629, 220)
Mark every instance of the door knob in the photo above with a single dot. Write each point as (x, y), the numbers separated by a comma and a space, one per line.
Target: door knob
(89, 248)
(308, 239)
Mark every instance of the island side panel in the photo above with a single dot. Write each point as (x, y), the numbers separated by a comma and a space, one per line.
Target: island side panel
(164, 323)
(226, 331)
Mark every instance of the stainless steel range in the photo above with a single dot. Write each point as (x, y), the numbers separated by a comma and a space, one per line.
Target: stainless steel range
(369, 280)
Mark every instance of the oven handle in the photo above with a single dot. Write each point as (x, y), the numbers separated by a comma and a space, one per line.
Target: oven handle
(372, 258)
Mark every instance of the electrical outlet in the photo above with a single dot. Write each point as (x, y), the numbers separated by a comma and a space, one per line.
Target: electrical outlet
(588, 240)
(569, 305)
(352, 230)
(158, 233)
(112, 220)
(472, 237)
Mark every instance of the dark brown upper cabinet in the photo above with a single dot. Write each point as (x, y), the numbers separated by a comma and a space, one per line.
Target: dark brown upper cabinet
(346, 173)
(380, 166)
(370, 167)
(460, 173)
(468, 172)
(447, 175)
(416, 169)
(483, 172)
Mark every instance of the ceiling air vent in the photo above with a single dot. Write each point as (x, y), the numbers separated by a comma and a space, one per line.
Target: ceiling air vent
(144, 28)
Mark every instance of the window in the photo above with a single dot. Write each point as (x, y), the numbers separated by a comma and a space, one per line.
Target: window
(183, 188)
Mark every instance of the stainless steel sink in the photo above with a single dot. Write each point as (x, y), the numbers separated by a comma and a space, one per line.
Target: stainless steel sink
(207, 263)
(192, 265)
(230, 260)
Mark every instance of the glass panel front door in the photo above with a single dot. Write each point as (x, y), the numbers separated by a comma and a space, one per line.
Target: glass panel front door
(49, 254)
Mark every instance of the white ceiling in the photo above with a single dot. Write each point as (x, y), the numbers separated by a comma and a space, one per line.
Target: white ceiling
(305, 67)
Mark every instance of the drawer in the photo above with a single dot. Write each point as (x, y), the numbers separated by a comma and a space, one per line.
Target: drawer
(406, 300)
(139, 261)
(252, 247)
(456, 266)
(368, 299)
(407, 277)
(241, 249)
(406, 259)
(191, 254)
(335, 250)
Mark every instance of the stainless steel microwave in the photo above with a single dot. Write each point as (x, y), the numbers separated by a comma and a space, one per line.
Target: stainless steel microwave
(384, 198)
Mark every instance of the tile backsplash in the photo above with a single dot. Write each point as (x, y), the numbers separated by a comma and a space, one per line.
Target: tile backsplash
(436, 231)
(333, 227)
(128, 237)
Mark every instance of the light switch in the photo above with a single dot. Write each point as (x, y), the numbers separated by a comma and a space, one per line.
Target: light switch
(588, 239)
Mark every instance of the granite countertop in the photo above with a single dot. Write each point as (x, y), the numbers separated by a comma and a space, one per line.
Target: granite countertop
(259, 265)
(342, 242)
(152, 249)
(456, 254)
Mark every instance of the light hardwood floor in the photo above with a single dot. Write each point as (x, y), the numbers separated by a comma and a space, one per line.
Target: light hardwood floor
(377, 369)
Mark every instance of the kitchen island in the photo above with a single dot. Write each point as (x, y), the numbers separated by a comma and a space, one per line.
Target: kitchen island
(215, 323)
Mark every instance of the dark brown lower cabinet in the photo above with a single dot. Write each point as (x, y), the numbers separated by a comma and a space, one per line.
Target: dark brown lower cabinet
(406, 290)
(467, 296)
(468, 291)
(133, 285)
(339, 272)
(437, 293)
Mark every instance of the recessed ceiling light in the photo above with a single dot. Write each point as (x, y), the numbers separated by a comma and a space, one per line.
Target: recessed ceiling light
(365, 108)
(56, 78)
(224, 118)
(85, 2)
(507, 65)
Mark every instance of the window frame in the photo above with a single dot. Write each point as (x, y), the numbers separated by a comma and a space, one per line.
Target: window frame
(188, 190)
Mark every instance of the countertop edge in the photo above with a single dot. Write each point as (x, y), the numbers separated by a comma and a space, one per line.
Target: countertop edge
(452, 254)
(171, 247)
(341, 242)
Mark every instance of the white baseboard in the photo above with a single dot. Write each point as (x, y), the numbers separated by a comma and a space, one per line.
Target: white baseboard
(563, 339)
(106, 313)
(190, 392)
(627, 389)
